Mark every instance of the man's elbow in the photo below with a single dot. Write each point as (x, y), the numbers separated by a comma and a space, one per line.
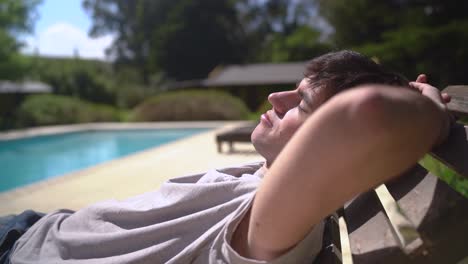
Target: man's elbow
(386, 112)
(370, 107)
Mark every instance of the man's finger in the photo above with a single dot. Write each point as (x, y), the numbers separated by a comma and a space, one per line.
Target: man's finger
(446, 98)
(417, 85)
(422, 78)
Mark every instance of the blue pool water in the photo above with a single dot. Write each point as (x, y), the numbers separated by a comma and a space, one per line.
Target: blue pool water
(24, 161)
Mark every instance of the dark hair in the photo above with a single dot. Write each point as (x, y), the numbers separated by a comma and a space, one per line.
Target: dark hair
(338, 71)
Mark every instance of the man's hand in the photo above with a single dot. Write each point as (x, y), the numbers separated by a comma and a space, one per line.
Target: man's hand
(422, 78)
(440, 99)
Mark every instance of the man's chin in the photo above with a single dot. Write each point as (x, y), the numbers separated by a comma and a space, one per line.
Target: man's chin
(258, 133)
(260, 138)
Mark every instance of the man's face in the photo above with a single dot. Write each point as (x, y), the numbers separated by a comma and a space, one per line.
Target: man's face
(289, 112)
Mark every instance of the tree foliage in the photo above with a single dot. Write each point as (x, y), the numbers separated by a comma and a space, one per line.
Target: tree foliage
(16, 17)
(300, 45)
(83, 79)
(411, 36)
(280, 30)
(361, 20)
(185, 39)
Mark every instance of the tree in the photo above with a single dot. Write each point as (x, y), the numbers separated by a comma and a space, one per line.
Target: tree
(281, 30)
(185, 39)
(196, 37)
(302, 44)
(127, 20)
(361, 20)
(410, 36)
(16, 17)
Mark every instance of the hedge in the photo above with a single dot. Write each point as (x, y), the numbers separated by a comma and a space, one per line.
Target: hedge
(40, 110)
(191, 105)
(265, 106)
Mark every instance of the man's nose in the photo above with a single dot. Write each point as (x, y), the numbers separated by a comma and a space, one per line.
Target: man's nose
(283, 101)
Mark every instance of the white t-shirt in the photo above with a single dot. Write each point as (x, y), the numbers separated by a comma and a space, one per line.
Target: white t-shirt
(189, 219)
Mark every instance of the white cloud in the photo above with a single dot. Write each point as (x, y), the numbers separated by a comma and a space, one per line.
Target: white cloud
(62, 39)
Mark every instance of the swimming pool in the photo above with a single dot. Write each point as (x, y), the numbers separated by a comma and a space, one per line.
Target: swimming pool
(29, 160)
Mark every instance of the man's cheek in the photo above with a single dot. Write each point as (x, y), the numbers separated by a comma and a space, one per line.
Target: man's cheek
(295, 128)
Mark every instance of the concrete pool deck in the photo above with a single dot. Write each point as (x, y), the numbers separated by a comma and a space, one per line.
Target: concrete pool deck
(125, 177)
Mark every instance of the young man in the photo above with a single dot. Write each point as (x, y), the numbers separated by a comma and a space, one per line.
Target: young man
(270, 212)
(346, 145)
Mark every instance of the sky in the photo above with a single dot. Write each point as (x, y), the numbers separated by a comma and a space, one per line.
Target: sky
(61, 29)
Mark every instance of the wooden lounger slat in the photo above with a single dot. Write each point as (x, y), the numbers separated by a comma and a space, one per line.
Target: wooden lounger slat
(404, 230)
(369, 230)
(346, 257)
(454, 152)
(441, 223)
(459, 101)
(331, 250)
(441, 216)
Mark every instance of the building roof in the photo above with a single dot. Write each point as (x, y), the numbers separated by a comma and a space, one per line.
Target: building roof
(24, 87)
(256, 74)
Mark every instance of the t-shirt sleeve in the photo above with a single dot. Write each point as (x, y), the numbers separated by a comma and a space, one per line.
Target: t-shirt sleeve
(305, 250)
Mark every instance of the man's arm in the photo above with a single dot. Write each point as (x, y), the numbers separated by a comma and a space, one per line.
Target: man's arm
(355, 141)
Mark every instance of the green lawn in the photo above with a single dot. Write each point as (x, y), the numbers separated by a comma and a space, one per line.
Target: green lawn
(446, 174)
(463, 120)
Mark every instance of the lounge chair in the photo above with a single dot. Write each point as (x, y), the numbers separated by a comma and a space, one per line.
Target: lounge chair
(238, 134)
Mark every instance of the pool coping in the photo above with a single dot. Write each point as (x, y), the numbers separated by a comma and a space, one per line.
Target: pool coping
(62, 129)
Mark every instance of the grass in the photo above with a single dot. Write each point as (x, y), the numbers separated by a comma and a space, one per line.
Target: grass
(463, 120)
(446, 174)
(453, 179)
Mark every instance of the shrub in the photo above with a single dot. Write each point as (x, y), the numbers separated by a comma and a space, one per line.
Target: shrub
(191, 105)
(265, 106)
(85, 79)
(464, 120)
(128, 96)
(39, 110)
(102, 113)
(95, 81)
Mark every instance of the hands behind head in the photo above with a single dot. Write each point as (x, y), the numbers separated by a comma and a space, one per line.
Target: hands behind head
(430, 91)
(440, 99)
